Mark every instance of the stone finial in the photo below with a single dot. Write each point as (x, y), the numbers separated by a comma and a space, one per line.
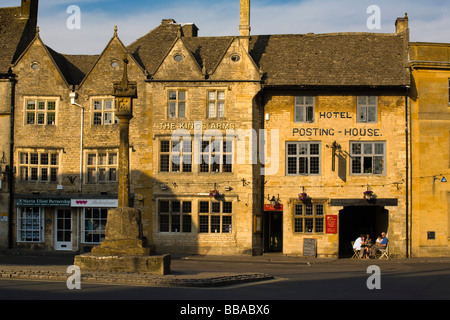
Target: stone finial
(115, 31)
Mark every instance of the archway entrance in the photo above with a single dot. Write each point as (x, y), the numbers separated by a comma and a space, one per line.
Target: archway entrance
(273, 231)
(356, 220)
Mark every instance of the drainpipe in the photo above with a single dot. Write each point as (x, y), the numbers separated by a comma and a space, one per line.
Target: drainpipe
(73, 96)
(407, 174)
(12, 79)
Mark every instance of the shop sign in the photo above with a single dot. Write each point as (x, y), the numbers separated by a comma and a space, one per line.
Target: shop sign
(331, 224)
(42, 202)
(95, 203)
(277, 207)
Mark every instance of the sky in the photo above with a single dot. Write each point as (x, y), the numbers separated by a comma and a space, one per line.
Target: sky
(88, 32)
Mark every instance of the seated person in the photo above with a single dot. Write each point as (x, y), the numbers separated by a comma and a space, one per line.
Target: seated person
(381, 245)
(358, 243)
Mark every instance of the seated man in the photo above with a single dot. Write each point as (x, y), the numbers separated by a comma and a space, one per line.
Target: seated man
(382, 245)
(358, 243)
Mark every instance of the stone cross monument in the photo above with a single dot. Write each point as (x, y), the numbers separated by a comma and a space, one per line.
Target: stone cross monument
(124, 92)
(122, 249)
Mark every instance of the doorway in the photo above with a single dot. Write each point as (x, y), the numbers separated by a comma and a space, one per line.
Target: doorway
(357, 220)
(63, 229)
(273, 231)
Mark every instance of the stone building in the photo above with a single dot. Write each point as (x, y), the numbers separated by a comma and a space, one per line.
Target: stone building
(238, 145)
(338, 103)
(17, 29)
(430, 101)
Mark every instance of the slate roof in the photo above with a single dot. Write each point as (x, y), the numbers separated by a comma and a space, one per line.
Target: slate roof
(15, 35)
(347, 59)
(339, 59)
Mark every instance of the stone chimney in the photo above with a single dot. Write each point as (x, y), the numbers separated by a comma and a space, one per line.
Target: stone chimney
(189, 30)
(244, 26)
(401, 24)
(29, 9)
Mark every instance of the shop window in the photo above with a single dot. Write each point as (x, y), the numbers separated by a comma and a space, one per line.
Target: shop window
(175, 216)
(40, 112)
(367, 109)
(30, 224)
(303, 158)
(93, 225)
(39, 166)
(175, 156)
(308, 218)
(215, 216)
(304, 109)
(367, 157)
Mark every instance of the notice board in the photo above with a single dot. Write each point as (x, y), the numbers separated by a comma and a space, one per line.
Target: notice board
(331, 224)
(309, 247)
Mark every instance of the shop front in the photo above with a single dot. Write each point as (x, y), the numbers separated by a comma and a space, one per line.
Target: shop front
(61, 224)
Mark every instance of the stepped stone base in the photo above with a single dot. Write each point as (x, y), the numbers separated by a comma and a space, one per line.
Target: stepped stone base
(159, 264)
(123, 250)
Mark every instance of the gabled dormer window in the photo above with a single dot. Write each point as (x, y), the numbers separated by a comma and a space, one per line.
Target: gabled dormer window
(40, 111)
(104, 111)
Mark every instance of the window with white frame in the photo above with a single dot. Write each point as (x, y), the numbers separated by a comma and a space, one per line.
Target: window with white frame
(308, 218)
(175, 216)
(304, 109)
(215, 216)
(39, 166)
(40, 111)
(216, 155)
(367, 109)
(177, 104)
(102, 166)
(30, 224)
(367, 157)
(93, 225)
(303, 158)
(216, 104)
(104, 111)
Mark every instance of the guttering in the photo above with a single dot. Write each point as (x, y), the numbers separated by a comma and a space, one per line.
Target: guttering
(204, 81)
(12, 79)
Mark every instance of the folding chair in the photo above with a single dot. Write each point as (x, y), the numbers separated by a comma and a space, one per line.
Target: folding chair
(384, 252)
(355, 251)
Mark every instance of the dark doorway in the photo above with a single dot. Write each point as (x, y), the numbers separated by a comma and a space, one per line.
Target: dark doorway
(273, 231)
(356, 220)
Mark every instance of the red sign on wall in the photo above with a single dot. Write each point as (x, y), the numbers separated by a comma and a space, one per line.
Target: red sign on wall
(331, 224)
(268, 207)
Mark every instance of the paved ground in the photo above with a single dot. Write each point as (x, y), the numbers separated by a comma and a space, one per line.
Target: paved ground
(187, 270)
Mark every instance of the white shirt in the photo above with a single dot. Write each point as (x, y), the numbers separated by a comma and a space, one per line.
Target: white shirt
(357, 244)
